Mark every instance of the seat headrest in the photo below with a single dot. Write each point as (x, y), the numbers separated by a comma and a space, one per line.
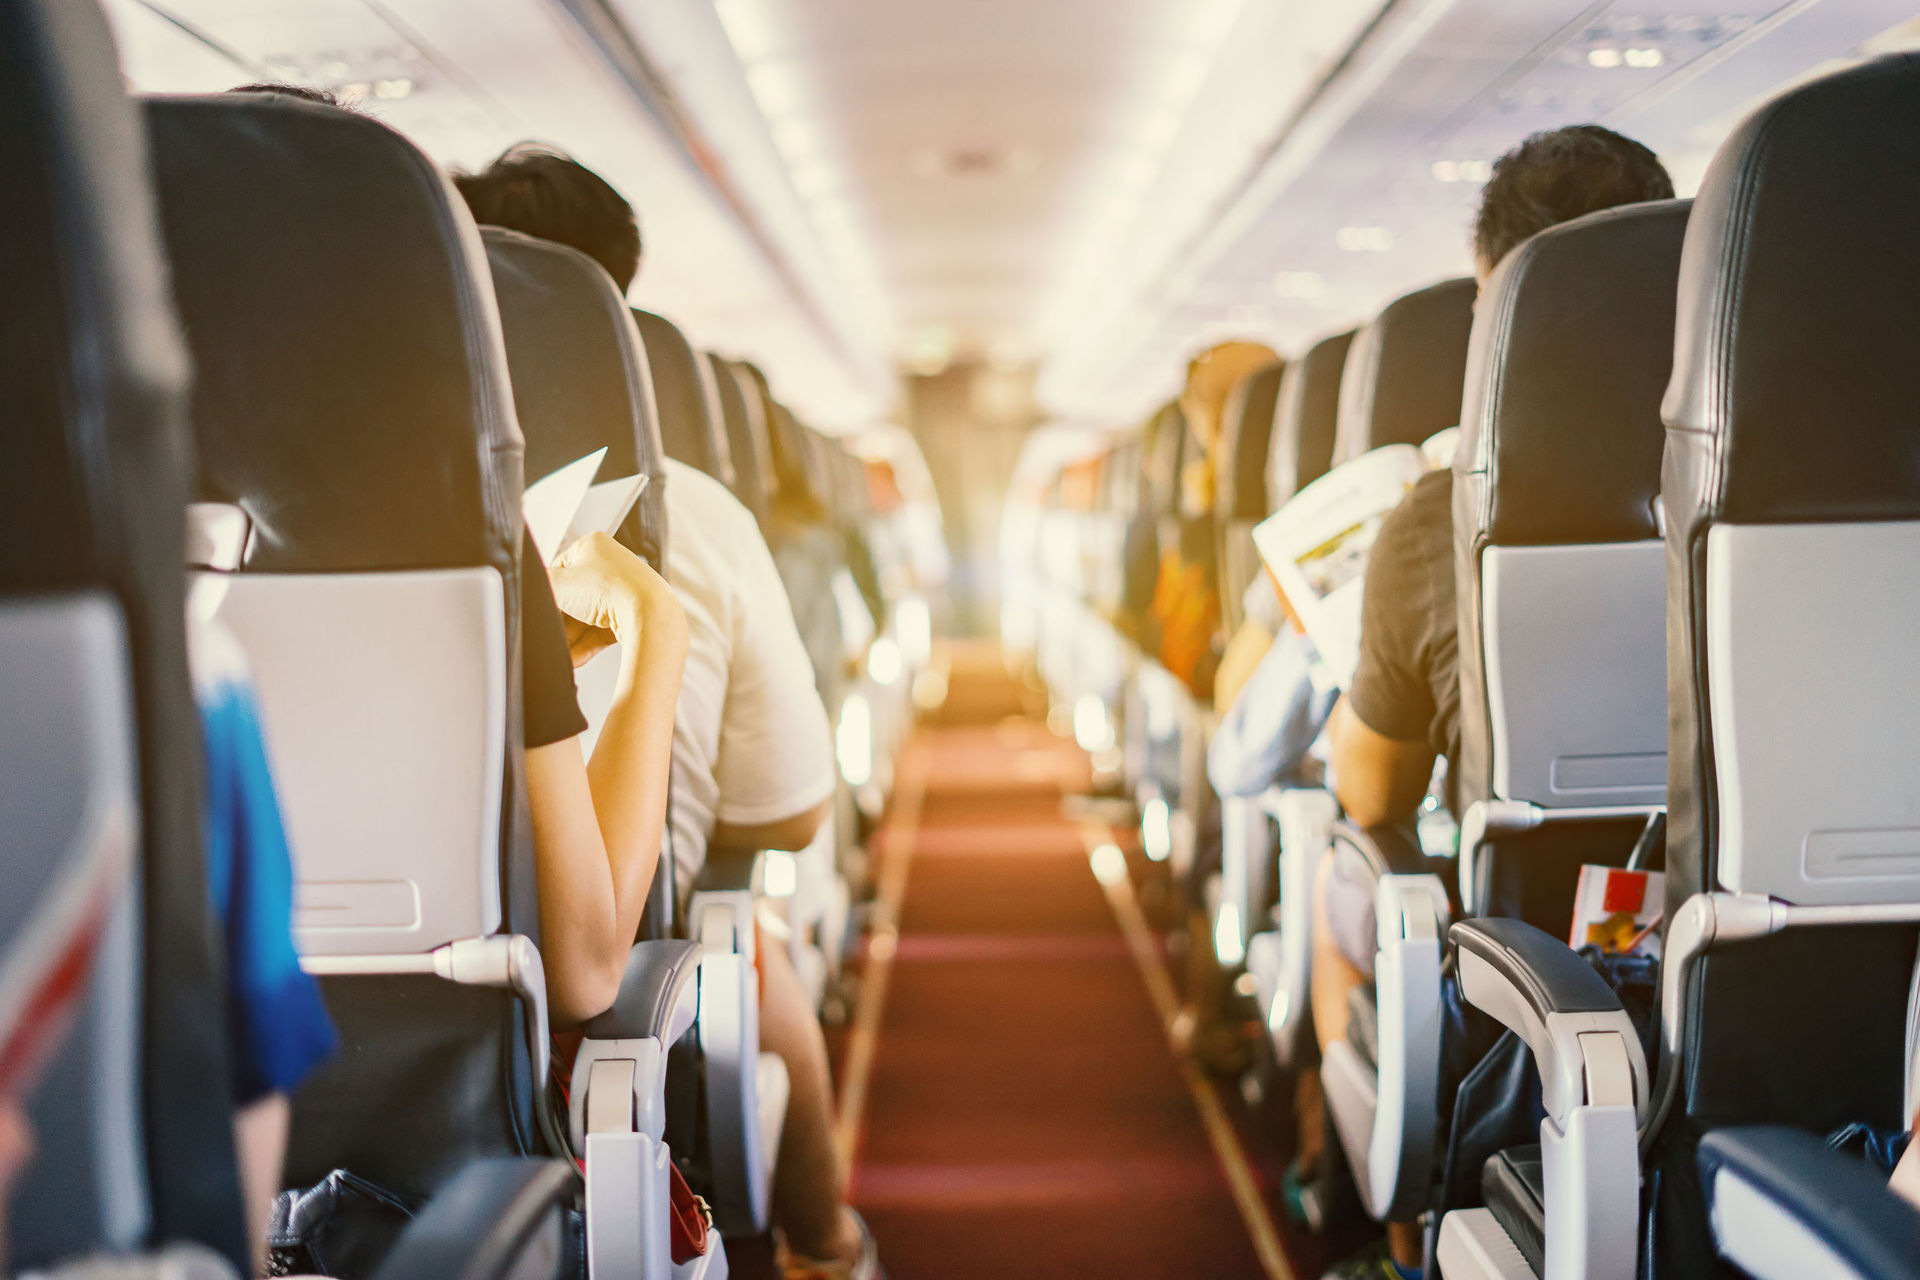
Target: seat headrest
(741, 413)
(580, 378)
(1561, 435)
(1404, 373)
(352, 392)
(1305, 418)
(1163, 451)
(1246, 430)
(94, 368)
(797, 475)
(1796, 392)
(683, 387)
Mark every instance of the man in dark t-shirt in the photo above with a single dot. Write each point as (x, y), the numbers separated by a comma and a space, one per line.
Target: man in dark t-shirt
(1401, 710)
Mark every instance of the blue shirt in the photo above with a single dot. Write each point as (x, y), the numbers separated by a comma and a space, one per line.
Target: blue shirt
(1275, 718)
(278, 1028)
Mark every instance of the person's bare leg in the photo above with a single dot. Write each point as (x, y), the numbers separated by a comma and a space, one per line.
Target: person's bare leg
(806, 1182)
(1334, 976)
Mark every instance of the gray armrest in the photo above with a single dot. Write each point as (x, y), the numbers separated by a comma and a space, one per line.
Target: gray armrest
(1383, 851)
(1537, 987)
(1783, 1204)
(483, 1224)
(654, 987)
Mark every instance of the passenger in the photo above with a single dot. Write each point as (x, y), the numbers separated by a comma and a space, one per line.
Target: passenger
(597, 824)
(1402, 707)
(1186, 601)
(752, 752)
(277, 1027)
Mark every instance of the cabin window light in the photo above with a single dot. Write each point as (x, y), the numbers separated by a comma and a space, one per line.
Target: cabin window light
(1156, 829)
(1109, 864)
(779, 874)
(1364, 239)
(853, 741)
(1228, 949)
(883, 661)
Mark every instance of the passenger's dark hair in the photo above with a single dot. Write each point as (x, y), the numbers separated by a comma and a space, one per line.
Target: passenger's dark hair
(547, 193)
(306, 93)
(1559, 175)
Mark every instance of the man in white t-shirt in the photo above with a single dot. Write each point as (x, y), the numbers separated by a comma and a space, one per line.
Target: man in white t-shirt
(753, 769)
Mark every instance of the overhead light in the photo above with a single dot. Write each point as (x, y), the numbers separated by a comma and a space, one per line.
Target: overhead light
(1462, 170)
(1364, 239)
(1644, 57)
(1300, 285)
(1603, 58)
(749, 27)
(778, 86)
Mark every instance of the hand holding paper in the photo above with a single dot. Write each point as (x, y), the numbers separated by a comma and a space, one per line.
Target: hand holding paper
(611, 596)
(565, 506)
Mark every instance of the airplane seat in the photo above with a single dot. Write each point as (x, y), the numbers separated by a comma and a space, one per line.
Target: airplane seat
(365, 438)
(689, 400)
(743, 417)
(1299, 819)
(1561, 579)
(1403, 373)
(133, 1112)
(1401, 383)
(581, 377)
(581, 383)
(1246, 427)
(1793, 561)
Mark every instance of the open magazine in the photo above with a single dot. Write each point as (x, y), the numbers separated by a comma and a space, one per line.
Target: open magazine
(566, 505)
(1317, 546)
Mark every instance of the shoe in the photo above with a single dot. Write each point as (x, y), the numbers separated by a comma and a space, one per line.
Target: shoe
(865, 1266)
(1370, 1263)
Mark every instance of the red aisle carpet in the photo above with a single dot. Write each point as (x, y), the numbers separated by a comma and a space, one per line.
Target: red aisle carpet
(1024, 1115)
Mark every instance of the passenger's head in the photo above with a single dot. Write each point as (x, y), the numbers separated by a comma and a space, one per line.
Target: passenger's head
(1556, 176)
(1211, 377)
(305, 93)
(546, 193)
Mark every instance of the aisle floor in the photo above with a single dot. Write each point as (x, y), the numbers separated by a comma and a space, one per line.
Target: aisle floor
(1024, 1113)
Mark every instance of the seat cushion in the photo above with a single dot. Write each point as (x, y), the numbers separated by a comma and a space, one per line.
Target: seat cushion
(1363, 1023)
(1515, 1190)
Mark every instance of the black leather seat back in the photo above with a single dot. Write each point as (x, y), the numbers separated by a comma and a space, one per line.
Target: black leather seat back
(1305, 419)
(691, 425)
(745, 419)
(580, 375)
(1246, 431)
(1404, 372)
(1792, 489)
(1556, 479)
(1791, 438)
(134, 1117)
(353, 399)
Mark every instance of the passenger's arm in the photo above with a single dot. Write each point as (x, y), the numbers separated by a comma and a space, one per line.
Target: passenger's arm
(598, 824)
(260, 1132)
(793, 833)
(1378, 780)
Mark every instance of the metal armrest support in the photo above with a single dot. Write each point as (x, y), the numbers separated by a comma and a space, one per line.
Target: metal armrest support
(1594, 1084)
(1784, 1205)
(497, 1219)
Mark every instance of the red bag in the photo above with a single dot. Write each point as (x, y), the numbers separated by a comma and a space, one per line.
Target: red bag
(688, 1219)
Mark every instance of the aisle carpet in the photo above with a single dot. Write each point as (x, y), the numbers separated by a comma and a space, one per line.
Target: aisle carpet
(1025, 1115)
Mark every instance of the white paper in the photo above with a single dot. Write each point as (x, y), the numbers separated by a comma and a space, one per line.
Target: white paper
(550, 503)
(605, 505)
(1318, 543)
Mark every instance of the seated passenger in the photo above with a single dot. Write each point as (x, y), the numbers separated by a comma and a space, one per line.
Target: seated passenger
(1401, 709)
(752, 754)
(277, 1027)
(1277, 712)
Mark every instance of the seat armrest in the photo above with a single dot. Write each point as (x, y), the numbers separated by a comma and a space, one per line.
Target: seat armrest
(654, 1000)
(482, 1225)
(1384, 851)
(1541, 990)
(1783, 1204)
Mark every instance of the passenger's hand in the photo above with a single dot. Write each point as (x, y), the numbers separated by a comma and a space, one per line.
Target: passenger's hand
(610, 595)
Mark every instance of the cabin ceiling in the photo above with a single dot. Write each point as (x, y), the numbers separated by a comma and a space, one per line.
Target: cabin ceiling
(843, 188)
